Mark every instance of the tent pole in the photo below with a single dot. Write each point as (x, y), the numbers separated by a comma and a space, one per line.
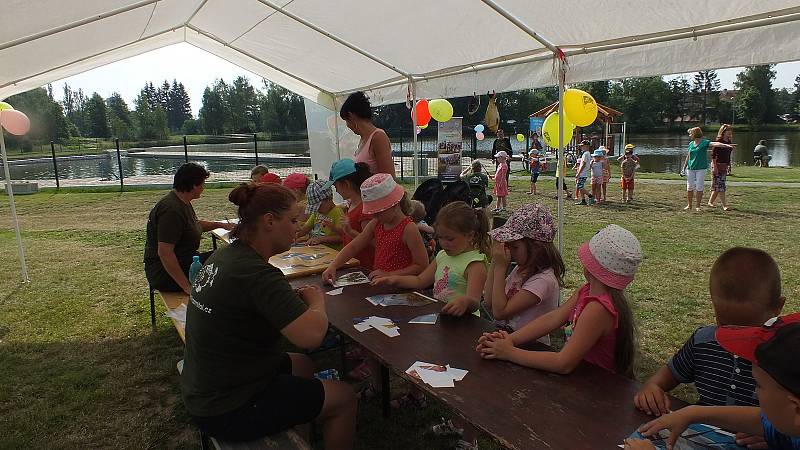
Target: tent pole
(561, 160)
(414, 130)
(13, 207)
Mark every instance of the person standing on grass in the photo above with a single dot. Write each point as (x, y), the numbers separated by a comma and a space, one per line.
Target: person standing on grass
(501, 181)
(502, 144)
(173, 232)
(720, 168)
(696, 164)
(628, 163)
(237, 382)
(725, 135)
(535, 167)
(374, 147)
(582, 174)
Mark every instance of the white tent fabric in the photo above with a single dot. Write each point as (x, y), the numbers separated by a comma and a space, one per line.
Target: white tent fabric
(326, 49)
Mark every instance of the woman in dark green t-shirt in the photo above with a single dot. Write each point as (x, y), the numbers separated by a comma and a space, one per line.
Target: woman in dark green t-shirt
(238, 385)
(173, 231)
(695, 166)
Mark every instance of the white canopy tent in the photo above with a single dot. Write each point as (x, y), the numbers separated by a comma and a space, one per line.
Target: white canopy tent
(324, 50)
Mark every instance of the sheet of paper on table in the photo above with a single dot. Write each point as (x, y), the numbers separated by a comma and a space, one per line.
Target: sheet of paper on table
(436, 375)
(350, 279)
(426, 319)
(335, 291)
(401, 299)
(178, 314)
(382, 324)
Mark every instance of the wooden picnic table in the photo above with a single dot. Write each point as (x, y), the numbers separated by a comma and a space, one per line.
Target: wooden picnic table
(519, 407)
(300, 260)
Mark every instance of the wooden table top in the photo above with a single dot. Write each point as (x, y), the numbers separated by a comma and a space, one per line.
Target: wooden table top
(300, 260)
(521, 408)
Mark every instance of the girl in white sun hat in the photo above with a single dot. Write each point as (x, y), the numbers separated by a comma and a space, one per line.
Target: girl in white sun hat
(501, 180)
(399, 249)
(602, 323)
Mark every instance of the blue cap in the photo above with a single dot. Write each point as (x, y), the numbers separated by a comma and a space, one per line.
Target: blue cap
(598, 152)
(341, 169)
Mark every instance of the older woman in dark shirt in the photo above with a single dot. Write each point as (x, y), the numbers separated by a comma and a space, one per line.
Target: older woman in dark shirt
(173, 231)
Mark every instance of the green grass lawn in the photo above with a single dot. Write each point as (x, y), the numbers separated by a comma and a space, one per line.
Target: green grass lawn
(740, 173)
(81, 368)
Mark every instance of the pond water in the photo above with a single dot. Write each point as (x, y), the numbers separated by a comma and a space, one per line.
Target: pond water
(659, 153)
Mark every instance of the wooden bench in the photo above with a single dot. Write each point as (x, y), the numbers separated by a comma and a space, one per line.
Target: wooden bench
(288, 440)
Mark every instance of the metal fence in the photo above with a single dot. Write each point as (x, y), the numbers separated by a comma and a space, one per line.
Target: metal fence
(229, 158)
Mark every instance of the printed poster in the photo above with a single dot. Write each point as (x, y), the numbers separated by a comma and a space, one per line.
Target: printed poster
(449, 145)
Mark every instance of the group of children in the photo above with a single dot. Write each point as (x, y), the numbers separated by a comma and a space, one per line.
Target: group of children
(593, 167)
(744, 360)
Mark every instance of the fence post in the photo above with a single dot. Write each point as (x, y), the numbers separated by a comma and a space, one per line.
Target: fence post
(255, 145)
(402, 171)
(185, 149)
(119, 165)
(55, 164)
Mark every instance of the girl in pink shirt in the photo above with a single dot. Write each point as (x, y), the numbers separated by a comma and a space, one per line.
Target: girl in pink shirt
(602, 329)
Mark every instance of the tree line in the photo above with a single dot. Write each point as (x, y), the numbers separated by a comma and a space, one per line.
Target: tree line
(239, 107)
(648, 103)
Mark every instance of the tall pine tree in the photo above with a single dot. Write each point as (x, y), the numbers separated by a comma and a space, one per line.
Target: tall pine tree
(97, 117)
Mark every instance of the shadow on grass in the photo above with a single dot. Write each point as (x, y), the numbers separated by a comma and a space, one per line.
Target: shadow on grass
(114, 393)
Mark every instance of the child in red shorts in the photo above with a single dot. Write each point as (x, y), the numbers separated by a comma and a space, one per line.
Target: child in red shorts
(628, 163)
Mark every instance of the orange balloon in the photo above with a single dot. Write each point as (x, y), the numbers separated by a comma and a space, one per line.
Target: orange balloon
(423, 115)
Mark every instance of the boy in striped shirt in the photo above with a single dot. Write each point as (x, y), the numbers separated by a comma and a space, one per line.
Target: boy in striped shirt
(745, 288)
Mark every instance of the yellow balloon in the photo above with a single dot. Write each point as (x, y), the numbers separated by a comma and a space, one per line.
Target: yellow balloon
(4, 106)
(550, 130)
(441, 110)
(579, 107)
(520, 137)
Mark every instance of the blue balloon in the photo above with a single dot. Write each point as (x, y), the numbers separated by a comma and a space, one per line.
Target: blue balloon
(479, 128)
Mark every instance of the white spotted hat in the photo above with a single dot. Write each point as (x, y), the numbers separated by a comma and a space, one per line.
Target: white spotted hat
(612, 256)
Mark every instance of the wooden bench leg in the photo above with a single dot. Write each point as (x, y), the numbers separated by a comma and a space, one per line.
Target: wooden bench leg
(386, 396)
(152, 309)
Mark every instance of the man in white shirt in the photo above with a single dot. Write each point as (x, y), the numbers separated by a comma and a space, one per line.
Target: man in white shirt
(582, 173)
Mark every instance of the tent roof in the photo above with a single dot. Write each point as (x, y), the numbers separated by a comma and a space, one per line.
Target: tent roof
(323, 50)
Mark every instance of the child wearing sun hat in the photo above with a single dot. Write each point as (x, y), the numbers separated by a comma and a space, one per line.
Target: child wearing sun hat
(399, 249)
(602, 328)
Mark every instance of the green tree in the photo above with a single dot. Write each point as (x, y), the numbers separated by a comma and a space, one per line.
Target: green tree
(150, 118)
(97, 117)
(213, 109)
(119, 117)
(243, 106)
(180, 108)
(680, 98)
(761, 102)
(751, 105)
(643, 101)
(796, 108)
(706, 82)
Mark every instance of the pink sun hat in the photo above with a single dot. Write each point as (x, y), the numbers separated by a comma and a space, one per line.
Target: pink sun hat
(612, 256)
(380, 192)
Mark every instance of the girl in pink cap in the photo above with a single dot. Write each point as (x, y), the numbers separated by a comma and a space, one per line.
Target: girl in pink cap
(399, 249)
(602, 322)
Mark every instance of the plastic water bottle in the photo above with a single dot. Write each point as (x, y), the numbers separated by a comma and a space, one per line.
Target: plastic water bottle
(194, 269)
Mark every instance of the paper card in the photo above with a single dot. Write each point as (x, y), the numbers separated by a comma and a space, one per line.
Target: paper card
(385, 326)
(401, 299)
(351, 278)
(361, 324)
(178, 314)
(427, 319)
(424, 365)
(457, 374)
(435, 378)
(335, 291)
